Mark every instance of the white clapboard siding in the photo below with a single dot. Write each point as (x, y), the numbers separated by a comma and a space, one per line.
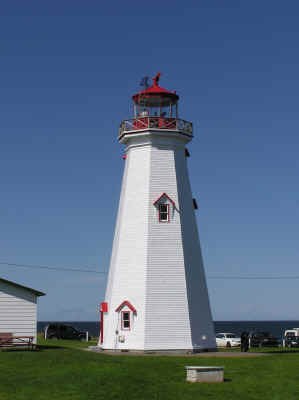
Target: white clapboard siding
(18, 309)
(157, 267)
(129, 249)
(167, 316)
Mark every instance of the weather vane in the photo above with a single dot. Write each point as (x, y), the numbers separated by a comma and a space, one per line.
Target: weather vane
(144, 82)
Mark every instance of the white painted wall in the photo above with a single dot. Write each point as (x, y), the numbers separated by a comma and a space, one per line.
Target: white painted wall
(127, 272)
(18, 310)
(167, 316)
(202, 327)
(157, 266)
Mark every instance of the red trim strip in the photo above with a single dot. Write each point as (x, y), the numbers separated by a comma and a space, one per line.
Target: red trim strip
(101, 327)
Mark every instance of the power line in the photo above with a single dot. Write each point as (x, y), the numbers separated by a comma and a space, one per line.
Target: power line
(106, 272)
(53, 268)
(253, 277)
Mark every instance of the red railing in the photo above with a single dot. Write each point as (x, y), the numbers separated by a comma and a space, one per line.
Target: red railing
(142, 123)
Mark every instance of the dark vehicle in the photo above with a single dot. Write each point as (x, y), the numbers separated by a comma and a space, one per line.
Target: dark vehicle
(291, 341)
(61, 331)
(261, 339)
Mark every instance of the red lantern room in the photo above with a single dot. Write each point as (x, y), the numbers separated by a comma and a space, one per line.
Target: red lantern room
(156, 101)
(155, 108)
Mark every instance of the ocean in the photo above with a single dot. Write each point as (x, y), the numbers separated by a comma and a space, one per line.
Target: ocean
(275, 327)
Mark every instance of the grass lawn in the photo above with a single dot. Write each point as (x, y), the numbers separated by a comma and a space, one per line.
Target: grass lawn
(60, 370)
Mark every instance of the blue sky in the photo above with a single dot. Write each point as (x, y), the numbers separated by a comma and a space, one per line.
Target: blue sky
(67, 73)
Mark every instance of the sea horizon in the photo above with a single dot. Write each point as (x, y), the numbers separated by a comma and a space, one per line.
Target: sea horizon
(275, 327)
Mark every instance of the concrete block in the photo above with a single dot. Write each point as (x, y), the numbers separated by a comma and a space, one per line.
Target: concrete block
(204, 374)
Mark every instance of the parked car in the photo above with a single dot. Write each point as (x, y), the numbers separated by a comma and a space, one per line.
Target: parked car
(261, 339)
(227, 340)
(290, 337)
(291, 341)
(61, 331)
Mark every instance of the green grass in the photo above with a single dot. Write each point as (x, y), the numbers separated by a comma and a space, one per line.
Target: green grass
(60, 370)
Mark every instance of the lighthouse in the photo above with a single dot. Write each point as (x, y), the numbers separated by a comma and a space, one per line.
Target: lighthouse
(156, 296)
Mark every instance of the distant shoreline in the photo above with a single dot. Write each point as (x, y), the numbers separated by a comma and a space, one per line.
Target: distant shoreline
(275, 327)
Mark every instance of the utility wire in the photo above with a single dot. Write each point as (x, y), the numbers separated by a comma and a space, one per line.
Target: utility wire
(53, 268)
(253, 277)
(105, 272)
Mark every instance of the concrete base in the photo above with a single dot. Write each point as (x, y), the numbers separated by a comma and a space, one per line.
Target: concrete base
(95, 348)
(204, 374)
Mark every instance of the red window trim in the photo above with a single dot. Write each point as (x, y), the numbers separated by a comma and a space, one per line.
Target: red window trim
(128, 304)
(161, 197)
(122, 321)
(163, 220)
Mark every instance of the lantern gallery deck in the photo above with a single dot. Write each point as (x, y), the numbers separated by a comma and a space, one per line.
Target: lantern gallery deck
(142, 123)
(204, 374)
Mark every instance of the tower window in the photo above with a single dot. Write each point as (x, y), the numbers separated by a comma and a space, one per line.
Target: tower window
(163, 212)
(125, 320)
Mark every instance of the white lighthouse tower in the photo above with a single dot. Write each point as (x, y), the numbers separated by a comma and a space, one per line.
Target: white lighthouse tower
(156, 296)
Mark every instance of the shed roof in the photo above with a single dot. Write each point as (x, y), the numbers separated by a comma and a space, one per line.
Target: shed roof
(36, 292)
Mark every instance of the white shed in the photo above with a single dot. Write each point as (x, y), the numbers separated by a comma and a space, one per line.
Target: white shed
(18, 309)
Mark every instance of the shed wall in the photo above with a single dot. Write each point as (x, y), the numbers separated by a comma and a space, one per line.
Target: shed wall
(18, 310)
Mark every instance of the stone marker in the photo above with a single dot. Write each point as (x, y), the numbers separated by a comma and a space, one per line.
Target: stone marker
(204, 374)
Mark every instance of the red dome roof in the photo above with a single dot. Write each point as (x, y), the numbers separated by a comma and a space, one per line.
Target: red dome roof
(155, 96)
